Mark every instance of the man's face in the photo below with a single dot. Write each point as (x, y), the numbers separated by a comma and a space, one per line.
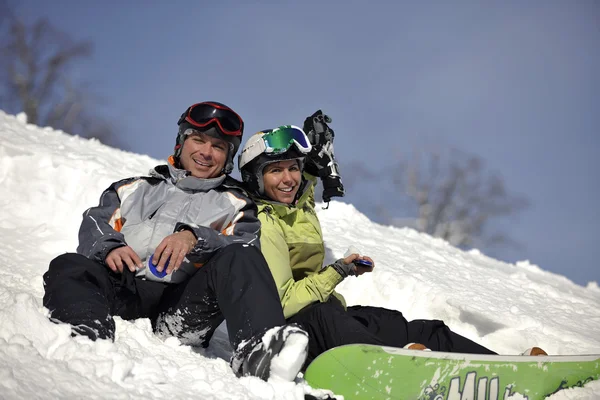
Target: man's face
(204, 156)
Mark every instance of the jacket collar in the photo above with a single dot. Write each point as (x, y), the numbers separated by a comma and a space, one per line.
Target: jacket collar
(183, 180)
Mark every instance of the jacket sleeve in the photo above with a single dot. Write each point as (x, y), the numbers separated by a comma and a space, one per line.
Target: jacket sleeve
(244, 228)
(294, 295)
(99, 232)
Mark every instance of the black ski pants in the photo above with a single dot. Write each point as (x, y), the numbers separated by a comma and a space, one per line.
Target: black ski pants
(329, 325)
(235, 285)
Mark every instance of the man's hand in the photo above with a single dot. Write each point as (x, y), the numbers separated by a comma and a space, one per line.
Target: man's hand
(172, 250)
(121, 256)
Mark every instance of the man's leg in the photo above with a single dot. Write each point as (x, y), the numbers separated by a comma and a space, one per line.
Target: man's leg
(235, 285)
(77, 290)
(393, 329)
(86, 294)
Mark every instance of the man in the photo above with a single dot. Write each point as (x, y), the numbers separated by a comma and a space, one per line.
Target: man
(180, 247)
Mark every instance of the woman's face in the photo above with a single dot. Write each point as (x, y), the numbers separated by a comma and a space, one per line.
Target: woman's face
(282, 180)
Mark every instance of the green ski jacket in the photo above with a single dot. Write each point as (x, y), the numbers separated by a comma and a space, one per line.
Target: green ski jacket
(292, 243)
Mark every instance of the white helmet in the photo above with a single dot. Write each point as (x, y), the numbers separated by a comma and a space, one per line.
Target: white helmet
(286, 142)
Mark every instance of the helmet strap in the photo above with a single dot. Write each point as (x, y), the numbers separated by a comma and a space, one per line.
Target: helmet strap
(229, 163)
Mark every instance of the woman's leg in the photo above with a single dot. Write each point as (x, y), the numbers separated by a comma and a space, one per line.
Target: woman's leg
(393, 329)
(329, 325)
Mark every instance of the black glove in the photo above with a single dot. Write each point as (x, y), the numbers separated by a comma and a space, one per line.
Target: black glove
(343, 269)
(321, 161)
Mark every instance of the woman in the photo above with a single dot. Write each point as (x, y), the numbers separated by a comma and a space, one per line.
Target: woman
(272, 164)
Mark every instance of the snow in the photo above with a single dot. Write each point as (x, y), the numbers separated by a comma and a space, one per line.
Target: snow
(48, 178)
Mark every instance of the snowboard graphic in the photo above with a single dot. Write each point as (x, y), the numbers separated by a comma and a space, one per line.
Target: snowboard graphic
(361, 371)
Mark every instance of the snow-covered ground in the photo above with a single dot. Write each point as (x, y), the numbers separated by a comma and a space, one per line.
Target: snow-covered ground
(48, 178)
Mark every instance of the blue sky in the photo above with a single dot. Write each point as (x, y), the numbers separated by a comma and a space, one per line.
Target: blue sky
(516, 83)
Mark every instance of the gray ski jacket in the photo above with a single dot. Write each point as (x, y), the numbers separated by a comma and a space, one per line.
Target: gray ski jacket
(140, 212)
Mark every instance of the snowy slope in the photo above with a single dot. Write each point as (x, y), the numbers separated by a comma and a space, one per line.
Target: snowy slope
(48, 178)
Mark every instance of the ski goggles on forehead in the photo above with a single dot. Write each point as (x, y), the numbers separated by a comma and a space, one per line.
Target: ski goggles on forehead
(202, 115)
(281, 139)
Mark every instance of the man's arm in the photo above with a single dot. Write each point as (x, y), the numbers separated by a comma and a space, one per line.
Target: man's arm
(99, 232)
(244, 228)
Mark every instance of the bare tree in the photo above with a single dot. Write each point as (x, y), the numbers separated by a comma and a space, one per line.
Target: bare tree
(455, 198)
(36, 78)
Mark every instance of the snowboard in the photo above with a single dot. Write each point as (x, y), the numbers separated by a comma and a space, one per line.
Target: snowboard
(361, 371)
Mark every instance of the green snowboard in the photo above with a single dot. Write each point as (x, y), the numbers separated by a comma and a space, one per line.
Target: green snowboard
(361, 371)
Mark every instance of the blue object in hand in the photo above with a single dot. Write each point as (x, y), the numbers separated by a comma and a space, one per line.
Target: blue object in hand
(153, 269)
(362, 263)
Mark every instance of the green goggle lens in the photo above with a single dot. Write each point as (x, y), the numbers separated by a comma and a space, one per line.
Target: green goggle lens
(281, 139)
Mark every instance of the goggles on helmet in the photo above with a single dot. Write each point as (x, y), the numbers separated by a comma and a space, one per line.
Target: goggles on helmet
(275, 142)
(203, 114)
(280, 140)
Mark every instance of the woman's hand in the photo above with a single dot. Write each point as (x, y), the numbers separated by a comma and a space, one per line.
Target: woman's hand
(347, 266)
(359, 269)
